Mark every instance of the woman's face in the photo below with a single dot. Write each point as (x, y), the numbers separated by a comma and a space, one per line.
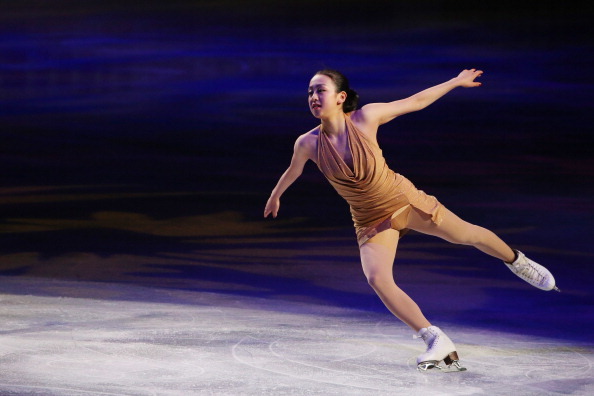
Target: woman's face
(322, 96)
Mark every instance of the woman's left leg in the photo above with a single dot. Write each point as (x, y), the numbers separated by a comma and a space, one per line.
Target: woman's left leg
(377, 258)
(455, 230)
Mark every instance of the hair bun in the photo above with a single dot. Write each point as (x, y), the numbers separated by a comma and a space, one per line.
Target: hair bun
(342, 84)
(351, 102)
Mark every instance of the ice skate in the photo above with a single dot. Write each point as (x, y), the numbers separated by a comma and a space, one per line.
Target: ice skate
(439, 347)
(533, 273)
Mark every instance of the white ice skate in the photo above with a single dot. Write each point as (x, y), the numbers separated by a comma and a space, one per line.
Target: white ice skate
(439, 347)
(533, 273)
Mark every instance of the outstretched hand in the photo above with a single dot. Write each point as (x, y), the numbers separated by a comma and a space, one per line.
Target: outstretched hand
(272, 207)
(466, 78)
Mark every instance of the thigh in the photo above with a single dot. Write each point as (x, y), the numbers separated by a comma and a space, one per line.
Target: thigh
(452, 228)
(379, 252)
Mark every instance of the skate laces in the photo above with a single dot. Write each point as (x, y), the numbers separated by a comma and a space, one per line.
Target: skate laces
(426, 334)
(527, 270)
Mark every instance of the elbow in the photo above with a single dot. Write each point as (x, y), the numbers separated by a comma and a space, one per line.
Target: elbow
(293, 172)
(418, 103)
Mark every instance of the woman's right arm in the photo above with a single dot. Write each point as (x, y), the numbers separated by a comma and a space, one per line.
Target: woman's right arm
(301, 153)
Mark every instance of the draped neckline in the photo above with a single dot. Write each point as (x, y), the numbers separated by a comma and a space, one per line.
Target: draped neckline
(349, 170)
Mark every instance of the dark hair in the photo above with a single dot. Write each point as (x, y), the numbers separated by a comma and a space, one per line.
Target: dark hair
(342, 84)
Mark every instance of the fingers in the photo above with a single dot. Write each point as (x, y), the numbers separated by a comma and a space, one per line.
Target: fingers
(477, 73)
(268, 211)
(468, 76)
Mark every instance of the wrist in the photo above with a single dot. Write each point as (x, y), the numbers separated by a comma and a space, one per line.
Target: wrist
(456, 82)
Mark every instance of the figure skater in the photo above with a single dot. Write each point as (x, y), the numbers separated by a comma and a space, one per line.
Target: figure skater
(384, 204)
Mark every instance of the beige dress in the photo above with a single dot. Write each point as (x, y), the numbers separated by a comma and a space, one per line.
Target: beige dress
(379, 198)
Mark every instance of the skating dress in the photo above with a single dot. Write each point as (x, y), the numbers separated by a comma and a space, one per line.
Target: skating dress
(378, 197)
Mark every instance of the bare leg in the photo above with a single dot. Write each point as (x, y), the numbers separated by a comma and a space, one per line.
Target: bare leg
(377, 258)
(454, 229)
(378, 254)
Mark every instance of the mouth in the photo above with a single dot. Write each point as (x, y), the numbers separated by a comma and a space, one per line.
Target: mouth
(316, 106)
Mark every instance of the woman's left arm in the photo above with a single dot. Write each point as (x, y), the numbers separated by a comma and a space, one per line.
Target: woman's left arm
(380, 113)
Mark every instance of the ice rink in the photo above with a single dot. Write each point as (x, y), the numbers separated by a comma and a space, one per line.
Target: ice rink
(77, 338)
(139, 142)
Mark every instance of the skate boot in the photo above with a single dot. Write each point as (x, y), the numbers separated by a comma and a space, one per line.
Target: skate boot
(531, 272)
(439, 347)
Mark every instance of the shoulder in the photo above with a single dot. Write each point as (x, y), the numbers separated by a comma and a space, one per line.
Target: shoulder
(364, 121)
(307, 143)
(309, 138)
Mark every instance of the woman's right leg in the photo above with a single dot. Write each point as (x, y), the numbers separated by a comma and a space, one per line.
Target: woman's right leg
(455, 230)
(377, 258)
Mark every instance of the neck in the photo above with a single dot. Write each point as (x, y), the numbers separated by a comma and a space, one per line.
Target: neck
(334, 125)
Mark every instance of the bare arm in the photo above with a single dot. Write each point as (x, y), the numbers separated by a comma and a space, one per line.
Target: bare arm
(300, 157)
(379, 113)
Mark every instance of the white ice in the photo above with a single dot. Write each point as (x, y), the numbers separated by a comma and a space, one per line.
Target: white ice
(131, 340)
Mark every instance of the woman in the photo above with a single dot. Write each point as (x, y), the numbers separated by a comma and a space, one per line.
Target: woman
(385, 204)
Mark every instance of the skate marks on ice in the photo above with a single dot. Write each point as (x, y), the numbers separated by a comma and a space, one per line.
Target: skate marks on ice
(77, 346)
(333, 362)
(364, 358)
(144, 341)
(541, 365)
(498, 360)
(348, 358)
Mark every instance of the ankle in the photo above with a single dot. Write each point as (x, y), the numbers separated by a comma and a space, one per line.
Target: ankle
(515, 257)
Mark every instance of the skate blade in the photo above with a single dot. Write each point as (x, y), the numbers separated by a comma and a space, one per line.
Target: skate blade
(455, 367)
(451, 361)
(434, 367)
(427, 366)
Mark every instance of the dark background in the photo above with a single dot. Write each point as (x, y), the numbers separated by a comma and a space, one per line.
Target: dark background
(135, 133)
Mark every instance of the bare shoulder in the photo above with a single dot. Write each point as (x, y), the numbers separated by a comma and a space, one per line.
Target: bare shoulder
(307, 144)
(364, 120)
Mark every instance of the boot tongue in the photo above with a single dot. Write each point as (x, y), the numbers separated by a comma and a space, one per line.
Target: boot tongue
(422, 333)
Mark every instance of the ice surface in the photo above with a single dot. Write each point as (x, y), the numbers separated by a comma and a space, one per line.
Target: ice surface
(140, 143)
(126, 342)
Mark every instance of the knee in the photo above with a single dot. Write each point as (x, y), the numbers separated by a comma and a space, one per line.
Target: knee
(377, 279)
(372, 280)
(476, 235)
(472, 235)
